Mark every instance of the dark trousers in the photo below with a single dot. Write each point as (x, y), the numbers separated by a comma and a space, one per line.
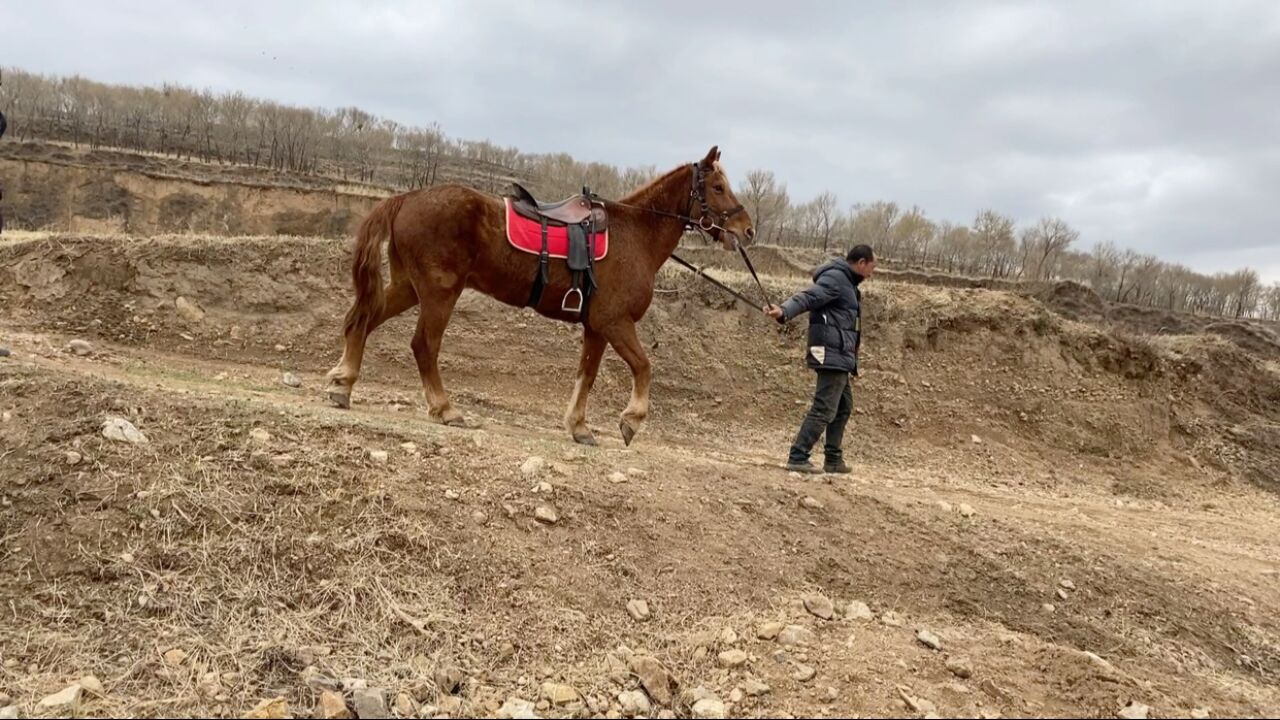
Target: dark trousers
(832, 402)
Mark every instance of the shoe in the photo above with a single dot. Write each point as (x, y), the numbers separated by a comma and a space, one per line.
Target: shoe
(805, 468)
(836, 468)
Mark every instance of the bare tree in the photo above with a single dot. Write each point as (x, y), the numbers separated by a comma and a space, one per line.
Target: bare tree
(824, 211)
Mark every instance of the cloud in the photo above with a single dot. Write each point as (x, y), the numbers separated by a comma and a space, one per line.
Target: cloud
(1149, 125)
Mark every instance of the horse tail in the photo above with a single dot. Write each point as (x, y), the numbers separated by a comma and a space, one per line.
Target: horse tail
(366, 263)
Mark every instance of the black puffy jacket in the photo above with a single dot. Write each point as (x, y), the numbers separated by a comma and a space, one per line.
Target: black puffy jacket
(834, 304)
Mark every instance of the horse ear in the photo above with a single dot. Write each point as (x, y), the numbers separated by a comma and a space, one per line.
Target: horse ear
(712, 156)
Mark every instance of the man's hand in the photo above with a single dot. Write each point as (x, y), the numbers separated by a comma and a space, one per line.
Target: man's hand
(773, 311)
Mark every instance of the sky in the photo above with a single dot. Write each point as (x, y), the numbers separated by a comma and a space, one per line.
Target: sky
(1153, 125)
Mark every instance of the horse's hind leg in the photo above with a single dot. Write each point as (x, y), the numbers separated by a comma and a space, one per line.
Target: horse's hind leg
(434, 310)
(397, 297)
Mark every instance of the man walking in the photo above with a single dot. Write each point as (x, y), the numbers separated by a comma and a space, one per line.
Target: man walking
(834, 304)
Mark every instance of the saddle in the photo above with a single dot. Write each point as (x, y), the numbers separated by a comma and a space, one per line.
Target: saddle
(575, 229)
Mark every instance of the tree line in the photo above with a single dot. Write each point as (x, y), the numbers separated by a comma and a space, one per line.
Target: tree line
(351, 144)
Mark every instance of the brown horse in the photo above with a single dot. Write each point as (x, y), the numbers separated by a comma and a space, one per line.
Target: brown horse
(450, 237)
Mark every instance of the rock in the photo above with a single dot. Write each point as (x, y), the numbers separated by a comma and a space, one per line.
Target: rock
(737, 696)
(533, 467)
(858, 610)
(819, 606)
(634, 703)
(793, 635)
(546, 515)
(966, 510)
(449, 705)
(976, 440)
(639, 610)
(121, 430)
(960, 667)
(333, 707)
(189, 310)
(279, 348)
(370, 703)
(636, 472)
(653, 677)
(4, 352)
(1200, 713)
(80, 347)
(452, 495)
(768, 631)
(560, 695)
(929, 640)
(1067, 584)
(93, 686)
(1135, 711)
(210, 684)
(543, 488)
(291, 380)
(732, 658)
(379, 456)
(755, 688)
(72, 457)
(449, 679)
(945, 506)
(1062, 594)
(618, 478)
(707, 705)
(404, 705)
(804, 673)
(10, 712)
(63, 702)
(517, 709)
(810, 503)
(1048, 608)
(174, 657)
(728, 636)
(260, 436)
(272, 709)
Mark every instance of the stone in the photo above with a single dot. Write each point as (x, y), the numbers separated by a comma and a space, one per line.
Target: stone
(260, 436)
(370, 703)
(189, 310)
(804, 673)
(1135, 711)
(769, 630)
(639, 610)
(404, 705)
(333, 707)
(72, 457)
(960, 667)
(379, 456)
(93, 686)
(634, 703)
(533, 467)
(810, 503)
(543, 488)
(966, 510)
(560, 695)
(80, 347)
(279, 348)
(618, 478)
(929, 640)
(291, 380)
(755, 688)
(737, 696)
(976, 440)
(121, 430)
(449, 679)
(1200, 713)
(175, 657)
(546, 515)
(707, 704)
(1068, 585)
(654, 678)
(63, 702)
(1062, 594)
(793, 635)
(452, 495)
(210, 684)
(1048, 608)
(728, 636)
(517, 709)
(4, 352)
(858, 610)
(819, 606)
(276, 708)
(449, 705)
(10, 712)
(732, 658)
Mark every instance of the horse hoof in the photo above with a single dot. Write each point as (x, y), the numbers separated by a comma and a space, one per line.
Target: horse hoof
(627, 433)
(586, 439)
(340, 399)
(457, 421)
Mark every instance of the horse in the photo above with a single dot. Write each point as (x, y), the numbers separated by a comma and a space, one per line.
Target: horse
(443, 239)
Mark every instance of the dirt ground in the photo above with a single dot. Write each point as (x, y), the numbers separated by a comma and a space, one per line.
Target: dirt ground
(1083, 517)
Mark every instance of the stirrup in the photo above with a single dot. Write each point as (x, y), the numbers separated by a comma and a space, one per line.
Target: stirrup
(564, 305)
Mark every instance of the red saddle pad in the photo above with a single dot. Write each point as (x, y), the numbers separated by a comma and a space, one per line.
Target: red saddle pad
(526, 235)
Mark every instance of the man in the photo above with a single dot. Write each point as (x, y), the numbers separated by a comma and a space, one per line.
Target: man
(834, 304)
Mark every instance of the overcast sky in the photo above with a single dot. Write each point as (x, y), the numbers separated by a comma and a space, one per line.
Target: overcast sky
(1152, 124)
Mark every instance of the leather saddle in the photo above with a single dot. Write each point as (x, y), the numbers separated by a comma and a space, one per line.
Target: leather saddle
(584, 216)
(572, 210)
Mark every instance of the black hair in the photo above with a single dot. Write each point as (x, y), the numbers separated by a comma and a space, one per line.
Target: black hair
(858, 253)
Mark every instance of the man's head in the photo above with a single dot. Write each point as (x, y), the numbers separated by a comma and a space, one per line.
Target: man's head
(862, 259)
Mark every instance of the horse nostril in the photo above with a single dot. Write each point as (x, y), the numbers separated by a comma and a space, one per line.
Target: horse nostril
(751, 233)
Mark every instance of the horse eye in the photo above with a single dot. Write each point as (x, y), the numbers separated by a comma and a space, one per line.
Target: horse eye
(719, 188)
